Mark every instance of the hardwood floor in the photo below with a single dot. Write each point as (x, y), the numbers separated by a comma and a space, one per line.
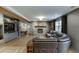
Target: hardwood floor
(15, 46)
(18, 45)
(71, 51)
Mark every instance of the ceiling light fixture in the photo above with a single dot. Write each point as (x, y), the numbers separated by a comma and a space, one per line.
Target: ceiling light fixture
(41, 17)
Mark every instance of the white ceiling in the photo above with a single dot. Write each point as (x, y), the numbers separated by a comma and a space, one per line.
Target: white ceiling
(49, 12)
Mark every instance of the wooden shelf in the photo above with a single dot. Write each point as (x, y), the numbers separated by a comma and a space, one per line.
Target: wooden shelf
(40, 26)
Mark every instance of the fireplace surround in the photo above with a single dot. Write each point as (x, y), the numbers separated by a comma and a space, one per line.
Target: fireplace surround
(40, 30)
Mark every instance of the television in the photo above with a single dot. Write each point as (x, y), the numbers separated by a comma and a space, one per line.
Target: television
(9, 27)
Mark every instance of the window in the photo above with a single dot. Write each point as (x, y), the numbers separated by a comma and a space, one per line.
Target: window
(58, 25)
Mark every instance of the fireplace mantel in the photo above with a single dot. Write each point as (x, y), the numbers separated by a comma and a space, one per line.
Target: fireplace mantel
(40, 26)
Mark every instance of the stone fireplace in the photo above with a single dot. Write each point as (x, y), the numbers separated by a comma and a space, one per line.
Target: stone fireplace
(39, 28)
(40, 31)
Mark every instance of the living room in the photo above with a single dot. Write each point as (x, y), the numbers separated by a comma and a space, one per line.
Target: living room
(29, 25)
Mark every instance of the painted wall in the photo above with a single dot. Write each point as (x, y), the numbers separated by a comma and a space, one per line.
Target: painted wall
(73, 28)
